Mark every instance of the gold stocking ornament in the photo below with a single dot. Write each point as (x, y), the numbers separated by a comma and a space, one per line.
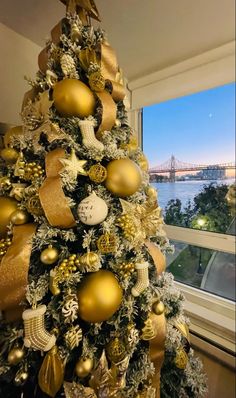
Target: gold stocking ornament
(36, 336)
(89, 140)
(142, 279)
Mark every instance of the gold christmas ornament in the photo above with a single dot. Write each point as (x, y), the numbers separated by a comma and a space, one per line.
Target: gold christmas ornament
(107, 243)
(7, 207)
(18, 191)
(5, 183)
(116, 350)
(88, 135)
(181, 359)
(15, 356)
(51, 373)
(142, 279)
(73, 98)
(19, 217)
(97, 173)
(34, 207)
(75, 33)
(143, 162)
(10, 155)
(89, 261)
(123, 177)
(125, 222)
(21, 377)
(74, 390)
(73, 166)
(16, 131)
(132, 145)
(4, 244)
(62, 272)
(49, 255)
(118, 123)
(92, 210)
(73, 337)
(151, 193)
(158, 307)
(96, 81)
(36, 336)
(126, 269)
(83, 367)
(68, 66)
(148, 331)
(99, 296)
(28, 171)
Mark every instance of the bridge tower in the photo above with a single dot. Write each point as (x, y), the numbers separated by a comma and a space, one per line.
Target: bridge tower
(172, 169)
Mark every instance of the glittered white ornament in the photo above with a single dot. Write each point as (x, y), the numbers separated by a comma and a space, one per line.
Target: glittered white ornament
(92, 210)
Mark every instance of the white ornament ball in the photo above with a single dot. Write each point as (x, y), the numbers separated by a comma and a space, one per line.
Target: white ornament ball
(92, 210)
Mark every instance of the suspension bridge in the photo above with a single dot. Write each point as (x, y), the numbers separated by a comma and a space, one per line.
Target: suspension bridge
(173, 166)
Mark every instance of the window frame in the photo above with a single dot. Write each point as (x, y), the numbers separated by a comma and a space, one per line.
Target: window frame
(212, 317)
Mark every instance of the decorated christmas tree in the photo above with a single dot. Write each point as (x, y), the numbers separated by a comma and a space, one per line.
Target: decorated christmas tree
(87, 308)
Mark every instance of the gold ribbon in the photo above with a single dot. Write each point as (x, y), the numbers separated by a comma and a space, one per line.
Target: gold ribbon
(14, 268)
(108, 112)
(51, 195)
(157, 348)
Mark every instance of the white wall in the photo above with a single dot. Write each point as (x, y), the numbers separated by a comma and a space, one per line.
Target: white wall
(18, 58)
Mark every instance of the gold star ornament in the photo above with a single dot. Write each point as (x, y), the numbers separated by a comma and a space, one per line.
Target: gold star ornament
(73, 166)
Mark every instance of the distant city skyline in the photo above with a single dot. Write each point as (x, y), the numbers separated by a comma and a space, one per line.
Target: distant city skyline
(198, 128)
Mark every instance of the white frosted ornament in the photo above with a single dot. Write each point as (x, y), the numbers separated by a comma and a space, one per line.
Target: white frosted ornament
(92, 210)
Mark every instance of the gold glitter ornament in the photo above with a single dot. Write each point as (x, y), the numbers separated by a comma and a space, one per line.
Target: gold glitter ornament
(21, 377)
(15, 356)
(9, 155)
(19, 217)
(97, 173)
(116, 350)
(34, 207)
(17, 190)
(4, 244)
(107, 243)
(83, 367)
(49, 255)
(181, 359)
(5, 183)
(96, 81)
(125, 222)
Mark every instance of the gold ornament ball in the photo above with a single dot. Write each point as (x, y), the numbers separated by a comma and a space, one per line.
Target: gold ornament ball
(15, 356)
(13, 132)
(21, 377)
(83, 367)
(158, 307)
(99, 296)
(10, 155)
(19, 217)
(73, 98)
(123, 177)
(7, 207)
(151, 192)
(49, 256)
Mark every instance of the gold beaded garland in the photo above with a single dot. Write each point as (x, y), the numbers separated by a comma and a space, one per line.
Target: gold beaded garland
(107, 243)
(97, 173)
(28, 171)
(116, 350)
(4, 244)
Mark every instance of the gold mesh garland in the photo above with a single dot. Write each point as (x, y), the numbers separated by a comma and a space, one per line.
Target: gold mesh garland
(107, 243)
(97, 173)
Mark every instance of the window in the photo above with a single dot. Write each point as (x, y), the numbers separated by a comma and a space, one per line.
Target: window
(190, 143)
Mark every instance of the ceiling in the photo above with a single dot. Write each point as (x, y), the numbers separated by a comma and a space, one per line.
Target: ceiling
(148, 35)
